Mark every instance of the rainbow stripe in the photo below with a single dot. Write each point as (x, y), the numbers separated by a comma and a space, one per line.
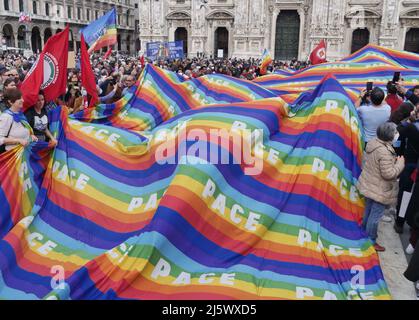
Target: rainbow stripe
(266, 61)
(21, 174)
(101, 32)
(108, 39)
(372, 63)
(118, 224)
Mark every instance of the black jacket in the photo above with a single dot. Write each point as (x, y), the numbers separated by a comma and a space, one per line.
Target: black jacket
(412, 212)
(412, 97)
(412, 272)
(410, 131)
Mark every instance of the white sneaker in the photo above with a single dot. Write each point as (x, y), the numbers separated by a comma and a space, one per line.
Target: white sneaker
(386, 218)
(410, 249)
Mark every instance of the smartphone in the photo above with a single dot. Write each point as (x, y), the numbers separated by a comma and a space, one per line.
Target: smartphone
(369, 86)
(396, 77)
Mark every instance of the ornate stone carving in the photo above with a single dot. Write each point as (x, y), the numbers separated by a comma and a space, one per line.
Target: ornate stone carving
(255, 20)
(414, 23)
(199, 19)
(410, 3)
(413, 13)
(197, 44)
(220, 15)
(255, 14)
(366, 15)
(178, 16)
(241, 45)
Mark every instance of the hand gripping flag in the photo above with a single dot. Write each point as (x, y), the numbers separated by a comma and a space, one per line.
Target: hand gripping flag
(101, 32)
(266, 61)
(50, 75)
(87, 76)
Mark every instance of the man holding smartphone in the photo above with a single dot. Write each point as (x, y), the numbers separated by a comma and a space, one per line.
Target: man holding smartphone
(393, 99)
(372, 114)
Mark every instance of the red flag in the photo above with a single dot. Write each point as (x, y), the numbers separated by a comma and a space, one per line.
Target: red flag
(87, 76)
(51, 74)
(319, 53)
(108, 53)
(31, 85)
(142, 61)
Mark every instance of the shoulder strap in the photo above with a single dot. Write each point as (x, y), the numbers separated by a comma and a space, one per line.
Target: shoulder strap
(10, 129)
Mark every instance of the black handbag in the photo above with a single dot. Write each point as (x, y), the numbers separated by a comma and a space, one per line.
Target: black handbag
(3, 146)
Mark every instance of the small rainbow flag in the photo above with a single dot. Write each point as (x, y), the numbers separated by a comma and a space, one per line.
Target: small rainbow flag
(101, 32)
(266, 61)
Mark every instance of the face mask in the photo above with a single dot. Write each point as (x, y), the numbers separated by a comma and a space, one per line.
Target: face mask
(396, 137)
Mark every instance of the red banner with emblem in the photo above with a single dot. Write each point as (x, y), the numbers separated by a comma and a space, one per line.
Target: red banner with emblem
(319, 53)
(50, 76)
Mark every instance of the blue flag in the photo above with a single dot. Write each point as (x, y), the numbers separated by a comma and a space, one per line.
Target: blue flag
(101, 32)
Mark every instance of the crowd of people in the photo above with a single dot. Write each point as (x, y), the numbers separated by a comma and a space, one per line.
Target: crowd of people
(390, 121)
(118, 73)
(391, 163)
(115, 76)
(248, 69)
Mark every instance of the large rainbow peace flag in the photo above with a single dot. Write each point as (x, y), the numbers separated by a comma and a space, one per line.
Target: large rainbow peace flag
(211, 188)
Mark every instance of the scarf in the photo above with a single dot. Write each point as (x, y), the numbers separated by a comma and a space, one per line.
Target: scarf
(19, 117)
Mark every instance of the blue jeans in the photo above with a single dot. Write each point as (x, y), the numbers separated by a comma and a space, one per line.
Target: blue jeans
(372, 215)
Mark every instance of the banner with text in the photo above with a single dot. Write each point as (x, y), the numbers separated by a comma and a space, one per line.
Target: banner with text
(165, 50)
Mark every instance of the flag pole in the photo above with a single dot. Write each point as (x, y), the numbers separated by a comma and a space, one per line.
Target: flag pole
(117, 59)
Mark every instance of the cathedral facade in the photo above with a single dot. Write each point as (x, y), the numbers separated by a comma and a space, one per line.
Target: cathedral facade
(289, 29)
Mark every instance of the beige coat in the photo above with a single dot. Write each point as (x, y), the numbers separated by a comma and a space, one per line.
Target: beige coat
(378, 180)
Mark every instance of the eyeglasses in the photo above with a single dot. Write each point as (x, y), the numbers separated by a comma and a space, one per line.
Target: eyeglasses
(12, 75)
